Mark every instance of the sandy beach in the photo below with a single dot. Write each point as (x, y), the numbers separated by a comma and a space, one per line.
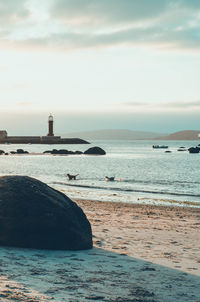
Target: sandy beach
(141, 253)
(168, 236)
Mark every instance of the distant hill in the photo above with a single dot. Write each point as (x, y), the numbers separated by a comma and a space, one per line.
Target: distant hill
(181, 135)
(111, 134)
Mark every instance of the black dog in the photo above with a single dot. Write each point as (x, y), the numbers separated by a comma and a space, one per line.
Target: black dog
(109, 178)
(72, 177)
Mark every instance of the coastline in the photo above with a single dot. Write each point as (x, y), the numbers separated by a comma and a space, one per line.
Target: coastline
(141, 253)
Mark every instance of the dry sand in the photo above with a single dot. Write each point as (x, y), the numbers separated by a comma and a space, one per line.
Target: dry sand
(168, 236)
(141, 253)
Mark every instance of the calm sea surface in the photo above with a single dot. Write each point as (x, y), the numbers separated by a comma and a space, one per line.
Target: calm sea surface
(143, 174)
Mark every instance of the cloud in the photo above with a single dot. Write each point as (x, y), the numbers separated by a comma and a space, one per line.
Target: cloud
(104, 11)
(13, 10)
(13, 15)
(153, 38)
(155, 23)
(182, 106)
(69, 24)
(191, 104)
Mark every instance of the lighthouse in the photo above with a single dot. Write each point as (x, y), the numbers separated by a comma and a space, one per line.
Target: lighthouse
(50, 125)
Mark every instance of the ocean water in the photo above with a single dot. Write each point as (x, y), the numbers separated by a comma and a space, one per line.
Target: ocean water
(142, 174)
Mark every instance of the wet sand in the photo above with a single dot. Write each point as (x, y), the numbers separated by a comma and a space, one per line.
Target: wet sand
(141, 253)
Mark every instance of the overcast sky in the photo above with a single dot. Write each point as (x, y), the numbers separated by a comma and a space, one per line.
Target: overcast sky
(99, 64)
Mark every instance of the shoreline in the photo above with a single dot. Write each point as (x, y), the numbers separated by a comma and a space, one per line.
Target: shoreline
(171, 203)
(137, 199)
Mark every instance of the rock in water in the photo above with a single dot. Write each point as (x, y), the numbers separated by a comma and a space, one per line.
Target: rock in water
(34, 215)
(95, 151)
(194, 150)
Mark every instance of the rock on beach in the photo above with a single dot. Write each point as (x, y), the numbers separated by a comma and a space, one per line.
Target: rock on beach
(34, 215)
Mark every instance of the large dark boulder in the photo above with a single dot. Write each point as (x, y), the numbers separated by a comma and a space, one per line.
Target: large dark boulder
(95, 151)
(34, 215)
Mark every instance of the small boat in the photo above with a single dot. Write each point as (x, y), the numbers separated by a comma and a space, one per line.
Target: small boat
(182, 149)
(159, 147)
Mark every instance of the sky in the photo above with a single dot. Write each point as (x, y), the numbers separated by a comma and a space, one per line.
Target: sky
(99, 64)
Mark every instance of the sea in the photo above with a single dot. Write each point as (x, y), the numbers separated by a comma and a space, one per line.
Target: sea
(142, 174)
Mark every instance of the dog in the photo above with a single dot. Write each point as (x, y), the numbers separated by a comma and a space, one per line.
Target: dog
(72, 177)
(109, 178)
